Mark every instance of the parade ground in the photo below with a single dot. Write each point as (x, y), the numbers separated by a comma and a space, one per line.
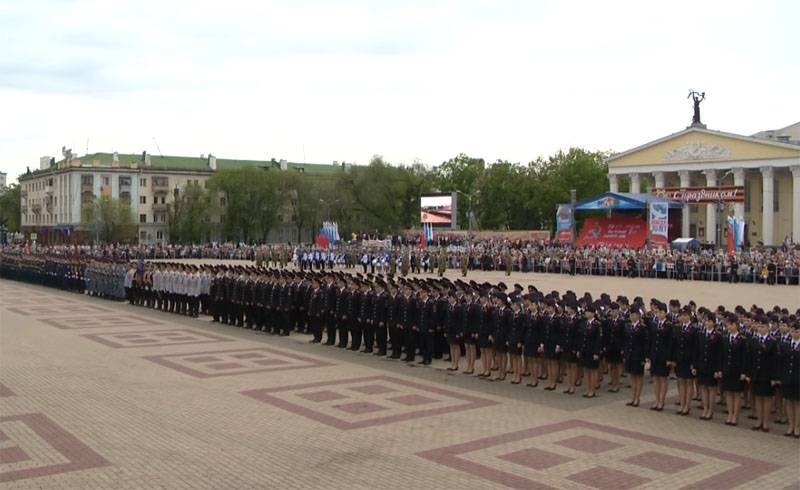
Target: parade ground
(101, 394)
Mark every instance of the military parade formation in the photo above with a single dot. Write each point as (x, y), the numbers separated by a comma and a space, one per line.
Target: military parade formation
(745, 358)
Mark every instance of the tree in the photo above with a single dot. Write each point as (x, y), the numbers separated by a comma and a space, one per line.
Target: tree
(460, 174)
(10, 212)
(189, 215)
(251, 202)
(110, 219)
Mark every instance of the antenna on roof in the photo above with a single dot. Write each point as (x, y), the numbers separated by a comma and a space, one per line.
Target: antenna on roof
(157, 147)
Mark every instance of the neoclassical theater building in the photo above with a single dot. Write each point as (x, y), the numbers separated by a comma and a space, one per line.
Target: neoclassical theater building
(717, 174)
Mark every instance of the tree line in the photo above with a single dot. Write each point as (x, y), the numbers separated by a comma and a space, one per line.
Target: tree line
(245, 204)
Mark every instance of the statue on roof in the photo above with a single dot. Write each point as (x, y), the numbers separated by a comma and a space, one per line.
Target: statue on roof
(697, 97)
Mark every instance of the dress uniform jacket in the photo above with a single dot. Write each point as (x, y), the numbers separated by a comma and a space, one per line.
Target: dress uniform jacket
(790, 372)
(569, 338)
(517, 324)
(531, 337)
(473, 323)
(660, 347)
(734, 359)
(708, 357)
(637, 347)
(683, 349)
(614, 339)
(550, 335)
(486, 329)
(763, 368)
(452, 324)
(591, 345)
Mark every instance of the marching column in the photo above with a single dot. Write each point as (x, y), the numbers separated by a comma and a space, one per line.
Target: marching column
(767, 209)
(685, 182)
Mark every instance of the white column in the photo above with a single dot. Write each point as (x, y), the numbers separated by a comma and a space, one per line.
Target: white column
(636, 185)
(796, 204)
(738, 180)
(711, 209)
(767, 196)
(613, 183)
(685, 182)
(659, 177)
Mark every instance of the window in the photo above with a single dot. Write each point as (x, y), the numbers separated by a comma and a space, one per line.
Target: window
(160, 182)
(142, 182)
(142, 218)
(221, 201)
(159, 235)
(142, 199)
(87, 179)
(163, 199)
(124, 180)
(106, 181)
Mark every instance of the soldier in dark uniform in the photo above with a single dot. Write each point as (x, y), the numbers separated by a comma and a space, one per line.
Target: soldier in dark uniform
(614, 341)
(472, 327)
(360, 312)
(590, 348)
(517, 324)
(343, 314)
(316, 308)
(532, 341)
(683, 352)
(368, 308)
(636, 350)
(332, 305)
(501, 315)
(551, 342)
(425, 310)
(569, 336)
(409, 328)
(734, 357)
(790, 382)
(660, 350)
(453, 330)
(485, 333)
(763, 372)
(381, 311)
(398, 306)
(707, 363)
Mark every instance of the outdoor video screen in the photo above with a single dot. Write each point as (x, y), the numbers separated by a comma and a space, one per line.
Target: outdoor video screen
(437, 210)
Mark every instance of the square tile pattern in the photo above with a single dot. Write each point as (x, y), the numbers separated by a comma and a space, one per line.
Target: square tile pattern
(213, 364)
(596, 456)
(102, 321)
(33, 445)
(68, 310)
(26, 299)
(154, 338)
(366, 402)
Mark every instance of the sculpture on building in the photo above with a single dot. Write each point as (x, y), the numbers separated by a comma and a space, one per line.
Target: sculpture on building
(697, 97)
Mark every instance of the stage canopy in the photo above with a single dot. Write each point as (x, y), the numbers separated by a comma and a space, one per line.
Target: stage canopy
(622, 201)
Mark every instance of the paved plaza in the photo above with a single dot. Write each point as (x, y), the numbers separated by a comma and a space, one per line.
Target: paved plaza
(98, 394)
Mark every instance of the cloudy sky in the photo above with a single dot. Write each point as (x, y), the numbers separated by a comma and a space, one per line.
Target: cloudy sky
(318, 81)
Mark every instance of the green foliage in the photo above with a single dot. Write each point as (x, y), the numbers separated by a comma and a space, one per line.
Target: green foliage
(461, 174)
(111, 220)
(189, 216)
(252, 200)
(10, 213)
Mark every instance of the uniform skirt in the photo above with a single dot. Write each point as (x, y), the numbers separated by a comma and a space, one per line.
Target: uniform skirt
(531, 349)
(588, 362)
(500, 345)
(706, 378)
(453, 339)
(470, 339)
(684, 370)
(732, 383)
(659, 368)
(484, 342)
(514, 350)
(791, 391)
(614, 355)
(762, 387)
(633, 367)
(569, 356)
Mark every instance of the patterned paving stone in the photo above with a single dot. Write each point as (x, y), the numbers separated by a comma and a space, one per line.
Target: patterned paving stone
(52, 443)
(59, 311)
(6, 391)
(101, 321)
(236, 361)
(180, 336)
(658, 461)
(367, 394)
(608, 479)
(479, 458)
(589, 444)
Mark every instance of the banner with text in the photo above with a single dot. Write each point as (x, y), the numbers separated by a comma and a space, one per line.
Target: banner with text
(702, 194)
(613, 232)
(659, 224)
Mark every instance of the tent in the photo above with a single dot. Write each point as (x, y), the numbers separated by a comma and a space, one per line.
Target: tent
(683, 244)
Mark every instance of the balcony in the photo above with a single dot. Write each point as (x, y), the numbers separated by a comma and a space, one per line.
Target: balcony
(160, 187)
(157, 206)
(36, 207)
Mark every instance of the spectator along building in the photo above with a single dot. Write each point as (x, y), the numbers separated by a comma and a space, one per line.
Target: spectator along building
(716, 174)
(53, 196)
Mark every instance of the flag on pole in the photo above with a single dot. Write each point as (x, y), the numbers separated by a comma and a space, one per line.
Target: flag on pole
(731, 227)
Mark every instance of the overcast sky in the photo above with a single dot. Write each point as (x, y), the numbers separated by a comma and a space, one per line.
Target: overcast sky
(318, 81)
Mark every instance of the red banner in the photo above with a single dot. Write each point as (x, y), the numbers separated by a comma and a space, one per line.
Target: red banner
(613, 232)
(702, 194)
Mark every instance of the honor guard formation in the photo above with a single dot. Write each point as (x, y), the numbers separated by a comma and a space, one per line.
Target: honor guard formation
(748, 358)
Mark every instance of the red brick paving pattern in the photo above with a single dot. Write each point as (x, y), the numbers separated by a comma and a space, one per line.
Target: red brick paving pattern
(665, 463)
(152, 338)
(608, 479)
(102, 321)
(78, 455)
(253, 360)
(374, 387)
(536, 459)
(745, 469)
(589, 444)
(59, 311)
